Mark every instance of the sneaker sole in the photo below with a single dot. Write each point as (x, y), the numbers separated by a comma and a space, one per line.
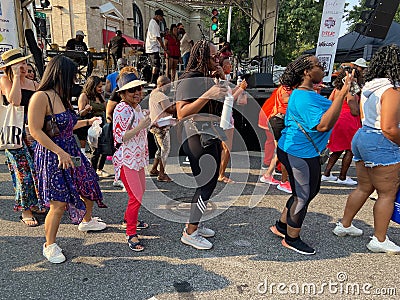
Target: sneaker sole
(183, 240)
(87, 230)
(275, 231)
(283, 189)
(284, 244)
(379, 250)
(342, 234)
(266, 182)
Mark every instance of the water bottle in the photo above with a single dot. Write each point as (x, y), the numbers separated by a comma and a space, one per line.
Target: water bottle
(227, 111)
(239, 81)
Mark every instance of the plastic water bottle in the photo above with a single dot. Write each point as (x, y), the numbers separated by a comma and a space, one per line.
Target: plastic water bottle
(227, 111)
(239, 81)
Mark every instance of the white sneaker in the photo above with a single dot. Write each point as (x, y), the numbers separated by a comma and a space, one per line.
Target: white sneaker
(118, 183)
(92, 225)
(53, 253)
(195, 240)
(328, 178)
(387, 246)
(103, 174)
(204, 231)
(347, 181)
(340, 230)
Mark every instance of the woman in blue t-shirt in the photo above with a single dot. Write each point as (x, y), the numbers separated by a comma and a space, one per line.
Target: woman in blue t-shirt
(317, 116)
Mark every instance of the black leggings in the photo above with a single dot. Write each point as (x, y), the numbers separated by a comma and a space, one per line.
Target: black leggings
(204, 163)
(95, 160)
(305, 180)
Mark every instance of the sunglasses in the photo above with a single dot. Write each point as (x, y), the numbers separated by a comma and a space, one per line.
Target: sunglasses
(30, 71)
(135, 89)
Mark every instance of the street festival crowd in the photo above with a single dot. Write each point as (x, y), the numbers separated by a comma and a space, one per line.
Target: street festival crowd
(51, 173)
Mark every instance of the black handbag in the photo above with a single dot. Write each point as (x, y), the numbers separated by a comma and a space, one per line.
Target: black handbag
(50, 126)
(209, 131)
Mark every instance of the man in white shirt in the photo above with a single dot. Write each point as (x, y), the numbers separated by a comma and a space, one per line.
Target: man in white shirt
(154, 43)
(186, 44)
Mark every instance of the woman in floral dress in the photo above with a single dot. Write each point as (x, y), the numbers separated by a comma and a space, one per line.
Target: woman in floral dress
(66, 179)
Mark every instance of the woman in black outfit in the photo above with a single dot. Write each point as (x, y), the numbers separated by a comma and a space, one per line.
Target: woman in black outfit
(194, 106)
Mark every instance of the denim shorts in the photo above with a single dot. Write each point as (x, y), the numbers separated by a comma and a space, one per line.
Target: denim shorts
(371, 146)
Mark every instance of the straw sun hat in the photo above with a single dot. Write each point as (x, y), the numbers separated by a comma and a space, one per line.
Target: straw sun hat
(131, 84)
(12, 57)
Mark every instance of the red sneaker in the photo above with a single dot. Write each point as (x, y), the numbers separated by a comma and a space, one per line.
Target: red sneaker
(269, 179)
(285, 187)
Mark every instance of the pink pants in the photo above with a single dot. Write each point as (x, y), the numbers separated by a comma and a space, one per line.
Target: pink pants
(135, 184)
(269, 147)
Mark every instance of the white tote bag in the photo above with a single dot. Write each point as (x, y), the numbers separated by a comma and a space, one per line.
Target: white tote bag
(12, 124)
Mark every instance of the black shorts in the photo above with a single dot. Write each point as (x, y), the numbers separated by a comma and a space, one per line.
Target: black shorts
(82, 133)
(155, 59)
(277, 125)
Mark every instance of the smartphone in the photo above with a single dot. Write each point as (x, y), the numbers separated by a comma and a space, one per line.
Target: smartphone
(76, 160)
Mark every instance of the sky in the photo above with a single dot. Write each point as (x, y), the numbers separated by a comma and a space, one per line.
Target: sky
(343, 27)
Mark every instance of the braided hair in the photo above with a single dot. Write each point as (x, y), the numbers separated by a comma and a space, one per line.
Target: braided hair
(199, 57)
(294, 72)
(385, 64)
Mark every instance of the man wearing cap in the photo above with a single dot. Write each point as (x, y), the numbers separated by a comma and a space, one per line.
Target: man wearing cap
(186, 44)
(360, 64)
(111, 79)
(117, 43)
(154, 43)
(77, 43)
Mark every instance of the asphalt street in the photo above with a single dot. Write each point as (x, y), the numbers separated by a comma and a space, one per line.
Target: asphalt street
(246, 262)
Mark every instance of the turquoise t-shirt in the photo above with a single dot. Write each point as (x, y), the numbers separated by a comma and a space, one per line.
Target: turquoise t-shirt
(307, 108)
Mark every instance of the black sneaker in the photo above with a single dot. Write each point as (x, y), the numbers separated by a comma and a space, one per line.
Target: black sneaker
(299, 246)
(278, 230)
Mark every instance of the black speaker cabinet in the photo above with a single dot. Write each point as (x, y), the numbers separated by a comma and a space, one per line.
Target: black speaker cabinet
(381, 19)
(260, 80)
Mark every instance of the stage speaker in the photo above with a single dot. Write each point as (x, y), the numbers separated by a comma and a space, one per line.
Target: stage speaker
(377, 21)
(260, 80)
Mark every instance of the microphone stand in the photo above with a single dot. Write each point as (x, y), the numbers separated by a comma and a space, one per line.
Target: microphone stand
(203, 37)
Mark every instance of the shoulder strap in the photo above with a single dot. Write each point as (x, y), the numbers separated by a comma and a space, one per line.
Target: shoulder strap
(51, 106)
(307, 136)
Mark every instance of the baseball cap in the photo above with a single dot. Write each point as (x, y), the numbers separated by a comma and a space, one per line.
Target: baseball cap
(361, 62)
(118, 32)
(121, 62)
(159, 12)
(80, 32)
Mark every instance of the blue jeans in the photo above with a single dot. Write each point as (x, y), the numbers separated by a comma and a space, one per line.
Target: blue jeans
(185, 59)
(373, 148)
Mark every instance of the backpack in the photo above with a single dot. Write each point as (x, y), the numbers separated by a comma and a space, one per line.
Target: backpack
(105, 142)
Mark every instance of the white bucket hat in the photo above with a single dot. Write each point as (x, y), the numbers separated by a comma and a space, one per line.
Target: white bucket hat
(361, 62)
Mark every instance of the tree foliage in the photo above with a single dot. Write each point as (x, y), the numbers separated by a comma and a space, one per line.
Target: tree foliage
(298, 28)
(240, 24)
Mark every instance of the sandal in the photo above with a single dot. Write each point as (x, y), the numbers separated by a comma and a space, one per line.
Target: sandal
(135, 246)
(154, 173)
(226, 180)
(165, 178)
(39, 211)
(26, 220)
(142, 225)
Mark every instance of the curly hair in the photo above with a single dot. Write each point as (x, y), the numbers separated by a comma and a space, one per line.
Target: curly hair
(338, 83)
(199, 56)
(294, 72)
(385, 64)
(90, 88)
